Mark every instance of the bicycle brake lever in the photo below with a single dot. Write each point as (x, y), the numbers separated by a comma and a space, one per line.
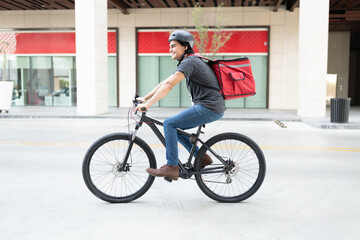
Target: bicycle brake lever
(142, 109)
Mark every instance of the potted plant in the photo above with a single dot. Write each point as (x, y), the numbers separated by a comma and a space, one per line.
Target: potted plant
(7, 45)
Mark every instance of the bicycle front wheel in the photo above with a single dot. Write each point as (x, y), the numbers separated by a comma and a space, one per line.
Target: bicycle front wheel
(246, 175)
(103, 164)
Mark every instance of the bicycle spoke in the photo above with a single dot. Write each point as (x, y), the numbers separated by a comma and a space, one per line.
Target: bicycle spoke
(237, 183)
(112, 179)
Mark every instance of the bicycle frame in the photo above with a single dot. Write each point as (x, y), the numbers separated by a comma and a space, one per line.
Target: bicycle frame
(186, 170)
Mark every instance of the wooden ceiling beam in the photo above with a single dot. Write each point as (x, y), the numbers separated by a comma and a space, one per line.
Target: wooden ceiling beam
(237, 3)
(65, 3)
(172, 3)
(277, 5)
(125, 5)
(184, 3)
(14, 6)
(253, 2)
(348, 16)
(294, 5)
(156, 4)
(120, 6)
(353, 5)
(352, 15)
(334, 4)
(206, 3)
(227, 3)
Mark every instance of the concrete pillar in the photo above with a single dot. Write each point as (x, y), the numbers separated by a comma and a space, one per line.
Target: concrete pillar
(91, 56)
(313, 54)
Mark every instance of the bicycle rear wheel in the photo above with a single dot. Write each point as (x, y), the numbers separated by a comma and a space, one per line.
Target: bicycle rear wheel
(102, 166)
(246, 176)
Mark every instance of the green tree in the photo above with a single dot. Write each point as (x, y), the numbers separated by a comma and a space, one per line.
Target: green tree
(209, 39)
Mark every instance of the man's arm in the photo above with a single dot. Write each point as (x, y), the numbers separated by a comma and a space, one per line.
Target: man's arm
(161, 90)
(151, 93)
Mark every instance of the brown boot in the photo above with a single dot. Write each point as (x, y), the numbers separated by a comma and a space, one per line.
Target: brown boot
(206, 160)
(165, 171)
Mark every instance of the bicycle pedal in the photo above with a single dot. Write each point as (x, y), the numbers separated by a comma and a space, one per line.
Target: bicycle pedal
(168, 179)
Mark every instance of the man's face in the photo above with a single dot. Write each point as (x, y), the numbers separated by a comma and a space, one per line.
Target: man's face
(176, 50)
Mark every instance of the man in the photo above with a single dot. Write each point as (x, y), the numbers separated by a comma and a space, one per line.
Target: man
(208, 103)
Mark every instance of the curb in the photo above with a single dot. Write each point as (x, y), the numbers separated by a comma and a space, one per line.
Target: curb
(315, 124)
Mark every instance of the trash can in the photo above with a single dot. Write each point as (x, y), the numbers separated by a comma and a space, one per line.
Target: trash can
(339, 110)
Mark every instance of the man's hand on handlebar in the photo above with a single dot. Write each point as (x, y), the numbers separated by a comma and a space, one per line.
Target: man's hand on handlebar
(143, 107)
(140, 104)
(141, 99)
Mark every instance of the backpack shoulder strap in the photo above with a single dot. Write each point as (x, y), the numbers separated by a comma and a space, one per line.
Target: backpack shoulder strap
(202, 85)
(207, 59)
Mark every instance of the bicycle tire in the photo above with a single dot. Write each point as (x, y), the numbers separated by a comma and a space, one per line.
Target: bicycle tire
(245, 178)
(101, 165)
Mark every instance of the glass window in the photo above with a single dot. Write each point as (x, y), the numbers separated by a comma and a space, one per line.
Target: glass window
(112, 82)
(42, 79)
(45, 81)
(39, 83)
(148, 74)
(51, 81)
(259, 69)
(166, 68)
(64, 87)
(153, 69)
(22, 68)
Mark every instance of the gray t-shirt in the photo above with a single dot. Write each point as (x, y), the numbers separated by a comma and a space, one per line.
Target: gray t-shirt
(199, 75)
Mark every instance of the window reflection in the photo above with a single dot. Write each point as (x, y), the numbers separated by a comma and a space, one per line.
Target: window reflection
(51, 80)
(44, 74)
(44, 81)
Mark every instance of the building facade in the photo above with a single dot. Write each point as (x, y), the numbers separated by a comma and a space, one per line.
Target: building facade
(283, 81)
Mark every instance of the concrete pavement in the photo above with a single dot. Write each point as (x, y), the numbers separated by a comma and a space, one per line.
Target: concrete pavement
(310, 190)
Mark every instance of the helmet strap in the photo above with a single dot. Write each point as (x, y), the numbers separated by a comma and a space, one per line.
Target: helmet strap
(180, 60)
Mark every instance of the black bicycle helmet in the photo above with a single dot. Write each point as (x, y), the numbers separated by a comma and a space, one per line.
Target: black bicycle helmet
(182, 36)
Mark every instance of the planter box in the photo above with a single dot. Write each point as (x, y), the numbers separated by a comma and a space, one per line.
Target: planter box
(6, 91)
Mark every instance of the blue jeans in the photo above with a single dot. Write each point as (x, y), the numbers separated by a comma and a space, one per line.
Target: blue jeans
(192, 117)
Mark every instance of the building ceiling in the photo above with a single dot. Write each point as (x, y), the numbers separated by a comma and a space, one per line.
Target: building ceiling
(125, 5)
(340, 10)
(349, 9)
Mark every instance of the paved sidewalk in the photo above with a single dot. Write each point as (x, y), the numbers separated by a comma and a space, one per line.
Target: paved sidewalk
(161, 113)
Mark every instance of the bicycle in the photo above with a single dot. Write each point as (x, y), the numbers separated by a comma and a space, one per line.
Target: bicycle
(114, 166)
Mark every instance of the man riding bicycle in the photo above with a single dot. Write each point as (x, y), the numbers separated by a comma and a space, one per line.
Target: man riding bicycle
(208, 103)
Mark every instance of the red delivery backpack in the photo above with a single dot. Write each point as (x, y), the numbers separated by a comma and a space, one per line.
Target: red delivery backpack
(234, 75)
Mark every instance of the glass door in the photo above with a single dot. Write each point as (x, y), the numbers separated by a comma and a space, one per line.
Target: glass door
(39, 84)
(64, 87)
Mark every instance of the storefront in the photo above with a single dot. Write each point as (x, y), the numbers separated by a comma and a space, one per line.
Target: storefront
(43, 68)
(289, 66)
(154, 64)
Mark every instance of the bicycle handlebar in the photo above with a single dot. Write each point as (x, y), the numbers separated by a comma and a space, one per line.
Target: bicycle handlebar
(137, 102)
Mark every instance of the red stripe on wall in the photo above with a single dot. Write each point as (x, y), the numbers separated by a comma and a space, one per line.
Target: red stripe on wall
(53, 43)
(239, 42)
(47, 43)
(111, 42)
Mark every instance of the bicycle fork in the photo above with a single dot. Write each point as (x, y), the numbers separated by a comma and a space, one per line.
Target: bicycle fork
(124, 165)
